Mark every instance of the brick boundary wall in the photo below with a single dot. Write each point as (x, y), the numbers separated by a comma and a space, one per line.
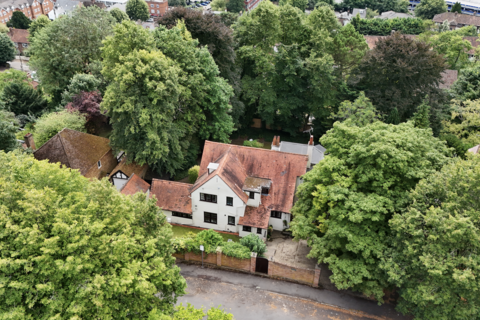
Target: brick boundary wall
(275, 270)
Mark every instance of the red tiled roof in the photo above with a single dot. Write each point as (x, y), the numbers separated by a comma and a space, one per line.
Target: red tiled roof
(457, 18)
(448, 78)
(135, 184)
(281, 168)
(172, 196)
(18, 35)
(258, 217)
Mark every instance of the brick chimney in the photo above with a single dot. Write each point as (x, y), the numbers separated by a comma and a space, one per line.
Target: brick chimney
(29, 141)
(310, 151)
(276, 143)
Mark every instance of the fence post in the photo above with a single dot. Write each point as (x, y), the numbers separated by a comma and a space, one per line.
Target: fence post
(270, 267)
(253, 262)
(219, 256)
(316, 279)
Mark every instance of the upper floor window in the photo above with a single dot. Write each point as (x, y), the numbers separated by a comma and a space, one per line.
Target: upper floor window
(158, 6)
(231, 220)
(276, 214)
(251, 195)
(151, 5)
(230, 201)
(208, 197)
(265, 191)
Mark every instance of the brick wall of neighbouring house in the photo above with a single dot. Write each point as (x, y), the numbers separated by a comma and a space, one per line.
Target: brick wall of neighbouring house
(207, 258)
(297, 274)
(235, 263)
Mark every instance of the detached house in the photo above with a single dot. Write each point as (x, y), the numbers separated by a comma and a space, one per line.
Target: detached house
(239, 189)
(457, 20)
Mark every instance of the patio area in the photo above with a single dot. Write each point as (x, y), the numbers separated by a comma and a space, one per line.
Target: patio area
(288, 252)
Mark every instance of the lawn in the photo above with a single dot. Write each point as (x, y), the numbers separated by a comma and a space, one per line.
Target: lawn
(182, 231)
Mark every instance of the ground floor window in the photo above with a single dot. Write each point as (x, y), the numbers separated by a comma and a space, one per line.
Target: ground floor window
(259, 230)
(231, 220)
(276, 214)
(247, 229)
(181, 215)
(209, 217)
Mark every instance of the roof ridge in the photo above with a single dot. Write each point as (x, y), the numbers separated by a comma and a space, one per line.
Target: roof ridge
(258, 149)
(175, 182)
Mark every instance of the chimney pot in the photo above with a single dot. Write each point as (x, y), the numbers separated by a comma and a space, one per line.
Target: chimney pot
(311, 141)
(278, 141)
(29, 141)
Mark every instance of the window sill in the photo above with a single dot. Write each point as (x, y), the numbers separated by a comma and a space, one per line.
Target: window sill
(209, 222)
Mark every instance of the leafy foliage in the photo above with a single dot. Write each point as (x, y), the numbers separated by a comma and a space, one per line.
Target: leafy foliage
(414, 72)
(377, 5)
(38, 24)
(360, 113)
(8, 129)
(80, 82)
(457, 7)
(3, 28)
(211, 32)
(21, 98)
(384, 27)
(210, 239)
(137, 10)
(52, 123)
(254, 244)
(193, 174)
(427, 9)
(236, 250)
(236, 6)
(218, 5)
(88, 246)
(421, 118)
(460, 148)
(434, 260)
(7, 49)
(119, 15)
(465, 121)
(467, 86)
(253, 143)
(177, 3)
(19, 21)
(13, 76)
(300, 4)
(346, 200)
(190, 313)
(87, 103)
(77, 36)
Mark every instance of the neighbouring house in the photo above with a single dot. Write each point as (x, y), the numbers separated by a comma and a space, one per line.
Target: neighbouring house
(157, 7)
(63, 7)
(393, 15)
(31, 8)
(93, 3)
(135, 184)
(20, 38)
(448, 79)
(457, 20)
(251, 4)
(315, 153)
(89, 154)
(240, 189)
(361, 12)
(343, 17)
(123, 172)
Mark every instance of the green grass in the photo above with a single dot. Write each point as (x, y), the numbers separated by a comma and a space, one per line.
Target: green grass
(182, 231)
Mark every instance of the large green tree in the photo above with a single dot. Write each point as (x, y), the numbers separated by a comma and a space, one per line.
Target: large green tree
(21, 98)
(8, 129)
(457, 7)
(434, 261)
(119, 15)
(137, 10)
(19, 21)
(377, 5)
(360, 113)
(414, 71)
(212, 33)
(80, 82)
(7, 49)
(467, 86)
(465, 121)
(300, 4)
(347, 200)
(427, 9)
(76, 248)
(50, 124)
(38, 24)
(69, 46)
(236, 6)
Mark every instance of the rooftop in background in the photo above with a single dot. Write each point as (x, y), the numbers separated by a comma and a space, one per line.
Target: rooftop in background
(457, 19)
(361, 12)
(135, 184)
(302, 148)
(393, 15)
(448, 78)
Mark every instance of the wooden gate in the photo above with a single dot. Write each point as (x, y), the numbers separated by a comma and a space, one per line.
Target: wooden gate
(261, 265)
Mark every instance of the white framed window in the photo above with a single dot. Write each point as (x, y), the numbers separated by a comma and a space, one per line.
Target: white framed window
(151, 5)
(158, 6)
(99, 164)
(153, 11)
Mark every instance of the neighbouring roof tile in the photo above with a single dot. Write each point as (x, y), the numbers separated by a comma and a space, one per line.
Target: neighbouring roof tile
(135, 184)
(172, 196)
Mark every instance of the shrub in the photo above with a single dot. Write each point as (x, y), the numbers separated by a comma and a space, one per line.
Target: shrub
(20, 98)
(52, 123)
(236, 250)
(210, 239)
(253, 143)
(186, 243)
(7, 49)
(193, 174)
(80, 82)
(254, 244)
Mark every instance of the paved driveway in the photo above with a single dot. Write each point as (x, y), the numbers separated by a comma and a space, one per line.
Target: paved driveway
(288, 252)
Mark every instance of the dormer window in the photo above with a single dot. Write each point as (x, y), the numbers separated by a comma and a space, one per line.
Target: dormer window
(212, 166)
(265, 191)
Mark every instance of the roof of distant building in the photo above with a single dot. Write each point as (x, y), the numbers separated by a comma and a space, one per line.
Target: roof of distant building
(100, 5)
(475, 149)
(393, 15)
(172, 196)
(18, 35)
(74, 149)
(302, 148)
(457, 18)
(361, 12)
(135, 184)
(448, 78)
(129, 169)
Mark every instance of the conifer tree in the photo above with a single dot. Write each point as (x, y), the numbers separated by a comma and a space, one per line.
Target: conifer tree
(457, 7)
(421, 118)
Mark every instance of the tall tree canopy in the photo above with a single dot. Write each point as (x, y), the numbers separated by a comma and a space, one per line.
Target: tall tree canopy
(434, 260)
(414, 71)
(467, 86)
(160, 103)
(19, 21)
(457, 7)
(69, 46)
(21, 98)
(465, 121)
(377, 5)
(76, 248)
(287, 71)
(346, 200)
(427, 9)
(8, 129)
(7, 49)
(137, 10)
(119, 15)
(38, 24)
(212, 33)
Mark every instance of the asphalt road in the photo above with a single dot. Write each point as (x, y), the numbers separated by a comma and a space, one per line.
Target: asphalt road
(250, 297)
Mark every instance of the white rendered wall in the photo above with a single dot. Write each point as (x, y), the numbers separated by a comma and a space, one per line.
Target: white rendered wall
(254, 202)
(119, 183)
(262, 236)
(219, 188)
(178, 220)
(277, 224)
